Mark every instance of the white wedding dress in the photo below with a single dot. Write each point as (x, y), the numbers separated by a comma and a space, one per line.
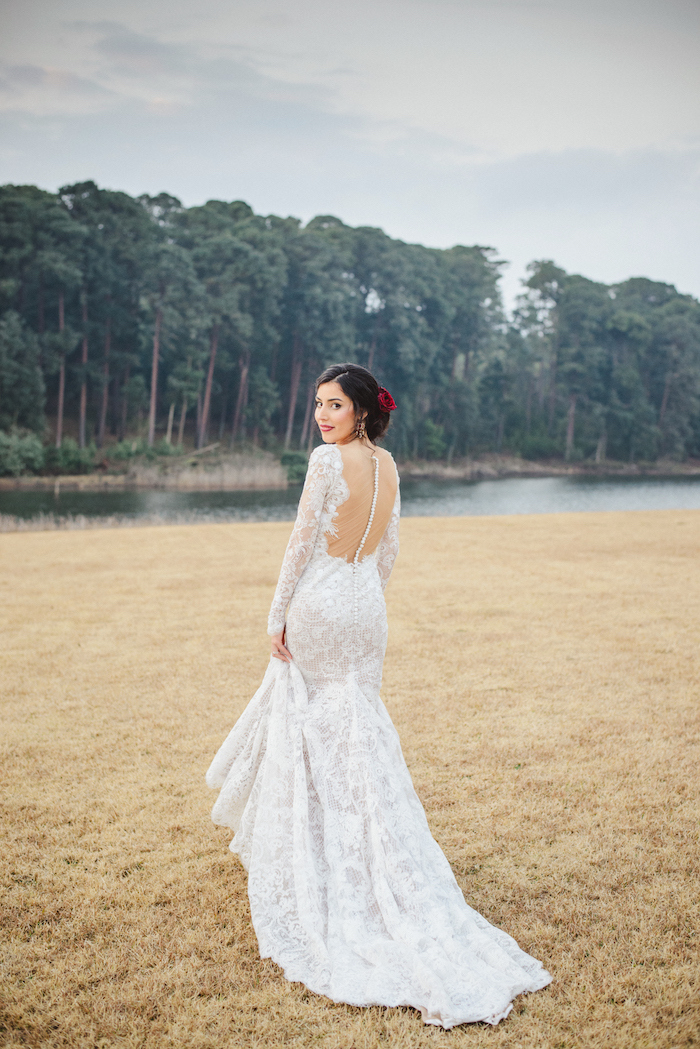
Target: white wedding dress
(349, 892)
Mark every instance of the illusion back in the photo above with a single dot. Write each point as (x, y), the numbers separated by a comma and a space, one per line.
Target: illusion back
(353, 514)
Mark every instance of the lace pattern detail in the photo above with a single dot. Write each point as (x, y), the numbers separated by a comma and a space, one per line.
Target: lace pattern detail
(324, 491)
(388, 549)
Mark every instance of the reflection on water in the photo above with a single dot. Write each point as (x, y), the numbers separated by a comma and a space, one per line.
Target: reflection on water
(532, 495)
(267, 505)
(550, 495)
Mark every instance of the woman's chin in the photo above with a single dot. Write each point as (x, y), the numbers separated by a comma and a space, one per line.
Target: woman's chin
(328, 436)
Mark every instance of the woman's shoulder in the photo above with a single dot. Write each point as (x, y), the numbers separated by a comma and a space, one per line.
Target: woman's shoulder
(324, 453)
(326, 457)
(386, 457)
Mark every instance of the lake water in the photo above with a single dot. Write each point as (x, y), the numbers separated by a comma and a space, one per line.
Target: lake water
(532, 495)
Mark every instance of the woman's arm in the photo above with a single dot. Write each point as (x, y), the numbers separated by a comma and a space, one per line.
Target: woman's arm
(389, 543)
(302, 540)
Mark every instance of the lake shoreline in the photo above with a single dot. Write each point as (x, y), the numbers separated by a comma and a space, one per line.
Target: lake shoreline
(255, 473)
(238, 472)
(495, 467)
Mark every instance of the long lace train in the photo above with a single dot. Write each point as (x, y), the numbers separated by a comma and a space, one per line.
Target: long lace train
(349, 892)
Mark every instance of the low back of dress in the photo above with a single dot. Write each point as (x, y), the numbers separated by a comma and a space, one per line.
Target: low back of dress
(353, 513)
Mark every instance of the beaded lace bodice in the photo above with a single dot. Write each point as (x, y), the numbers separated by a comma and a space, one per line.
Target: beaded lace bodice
(322, 529)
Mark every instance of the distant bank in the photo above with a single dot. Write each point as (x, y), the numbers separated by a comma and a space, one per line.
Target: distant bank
(259, 471)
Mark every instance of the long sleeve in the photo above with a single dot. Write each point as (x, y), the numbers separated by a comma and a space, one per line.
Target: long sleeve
(388, 548)
(303, 538)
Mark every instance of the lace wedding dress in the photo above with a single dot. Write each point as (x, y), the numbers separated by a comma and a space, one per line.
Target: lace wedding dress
(349, 892)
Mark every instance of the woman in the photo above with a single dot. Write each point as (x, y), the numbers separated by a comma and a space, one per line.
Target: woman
(349, 892)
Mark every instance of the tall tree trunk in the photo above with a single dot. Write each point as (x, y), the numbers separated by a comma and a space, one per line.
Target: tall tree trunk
(41, 324)
(125, 404)
(105, 384)
(307, 415)
(570, 422)
(83, 385)
(601, 447)
(61, 376)
(181, 427)
(154, 374)
(541, 392)
(664, 399)
(528, 405)
(244, 365)
(293, 389)
(246, 394)
(214, 342)
(552, 392)
(224, 407)
(169, 431)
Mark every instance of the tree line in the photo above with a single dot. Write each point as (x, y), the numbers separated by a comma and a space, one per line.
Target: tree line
(125, 319)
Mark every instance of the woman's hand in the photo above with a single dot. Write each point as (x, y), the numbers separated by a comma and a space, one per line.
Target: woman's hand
(279, 649)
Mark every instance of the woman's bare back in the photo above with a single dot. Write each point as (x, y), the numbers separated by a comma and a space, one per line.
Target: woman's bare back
(353, 513)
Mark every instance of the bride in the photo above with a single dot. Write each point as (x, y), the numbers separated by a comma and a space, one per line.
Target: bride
(349, 892)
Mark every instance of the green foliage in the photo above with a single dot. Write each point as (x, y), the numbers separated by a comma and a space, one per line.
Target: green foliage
(21, 380)
(434, 440)
(614, 371)
(138, 448)
(20, 453)
(138, 306)
(70, 458)
(538, 446)
(296, 463)
(263, 402)
(122, 451)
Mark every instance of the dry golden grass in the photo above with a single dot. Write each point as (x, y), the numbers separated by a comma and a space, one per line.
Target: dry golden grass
(542, 674)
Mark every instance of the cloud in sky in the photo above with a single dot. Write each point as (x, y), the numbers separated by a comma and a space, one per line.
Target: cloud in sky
(547, 128)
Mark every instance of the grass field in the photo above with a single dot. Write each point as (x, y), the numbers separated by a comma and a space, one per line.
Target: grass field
(542, 673)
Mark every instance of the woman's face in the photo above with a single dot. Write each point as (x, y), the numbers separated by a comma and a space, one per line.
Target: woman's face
(335, 414)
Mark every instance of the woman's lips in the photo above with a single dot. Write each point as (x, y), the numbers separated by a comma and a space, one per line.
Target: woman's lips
(322, 427)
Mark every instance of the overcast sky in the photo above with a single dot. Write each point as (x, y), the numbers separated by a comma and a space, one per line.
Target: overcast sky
(564, 129)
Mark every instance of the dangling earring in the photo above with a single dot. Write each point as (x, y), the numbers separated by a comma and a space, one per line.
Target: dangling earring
(360, 429)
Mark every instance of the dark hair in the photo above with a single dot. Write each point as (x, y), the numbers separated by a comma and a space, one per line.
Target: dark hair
(362, 388)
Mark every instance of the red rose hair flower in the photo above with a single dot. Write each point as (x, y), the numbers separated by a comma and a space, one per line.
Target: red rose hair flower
(386, 401)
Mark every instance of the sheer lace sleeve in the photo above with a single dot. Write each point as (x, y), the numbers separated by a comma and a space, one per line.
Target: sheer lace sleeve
(389, 543)
(319, 477)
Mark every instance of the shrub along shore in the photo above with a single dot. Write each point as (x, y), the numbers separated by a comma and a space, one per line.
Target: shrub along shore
(210, 469)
